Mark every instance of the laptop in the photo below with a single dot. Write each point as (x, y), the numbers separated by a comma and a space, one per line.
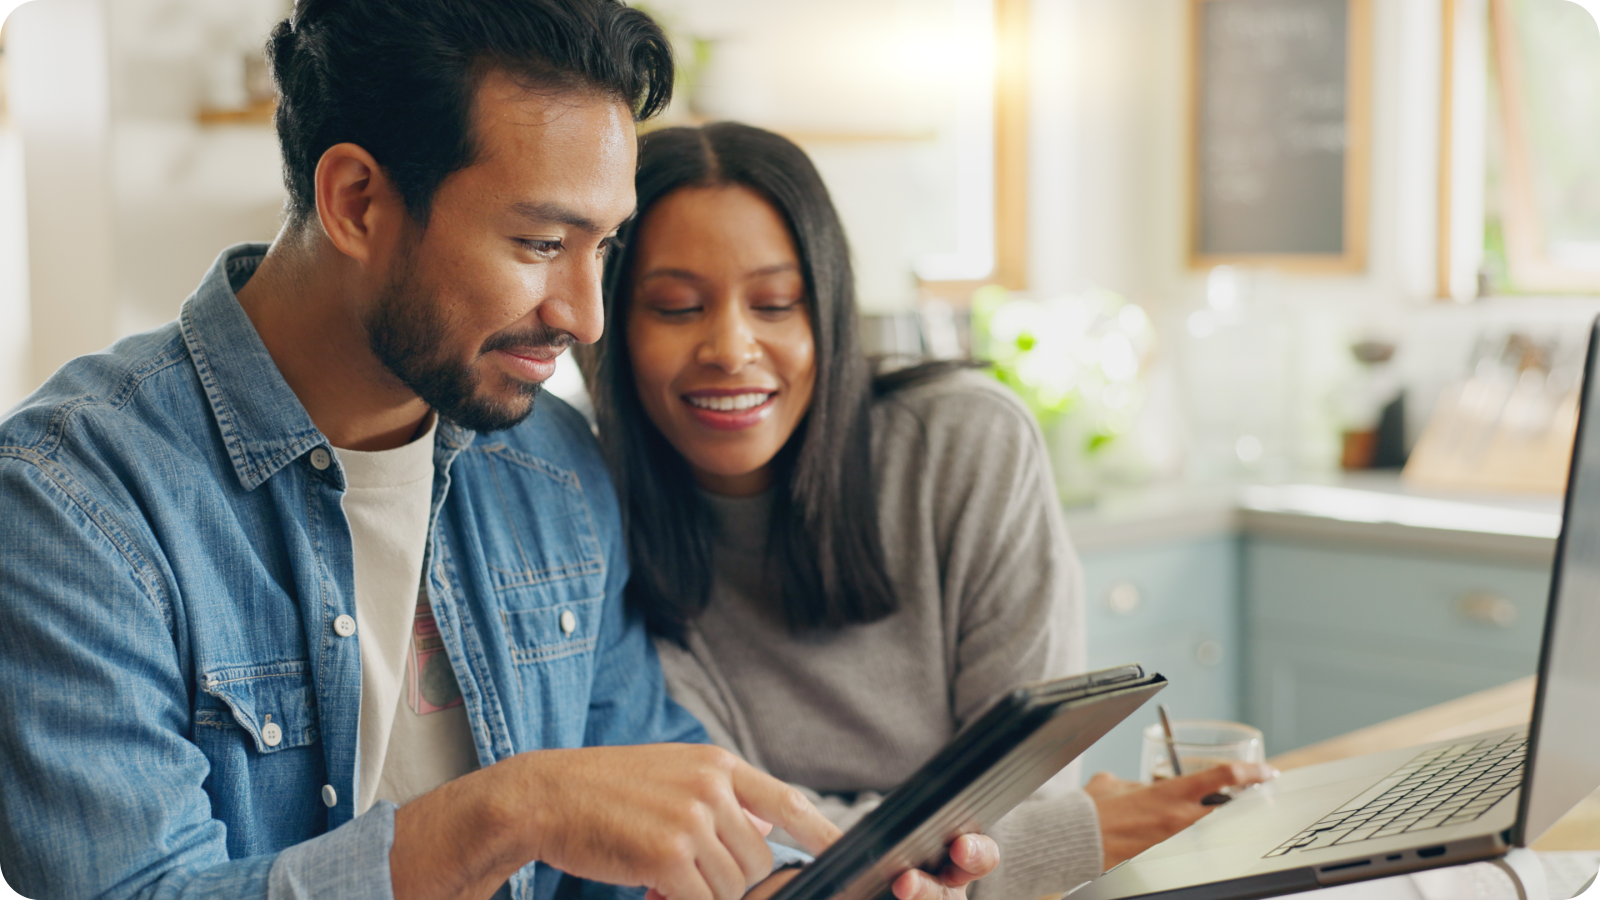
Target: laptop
(1423, 807)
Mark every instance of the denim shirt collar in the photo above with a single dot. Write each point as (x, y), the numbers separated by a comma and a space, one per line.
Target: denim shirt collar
(263, 424)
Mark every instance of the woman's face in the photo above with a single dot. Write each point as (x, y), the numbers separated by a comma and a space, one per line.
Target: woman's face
(718, 332)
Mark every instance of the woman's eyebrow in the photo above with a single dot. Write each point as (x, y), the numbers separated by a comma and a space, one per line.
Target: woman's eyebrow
(687, 275)
(774, 269)
(668, 272)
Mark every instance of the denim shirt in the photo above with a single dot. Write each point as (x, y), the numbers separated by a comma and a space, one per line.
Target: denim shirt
(173, 557)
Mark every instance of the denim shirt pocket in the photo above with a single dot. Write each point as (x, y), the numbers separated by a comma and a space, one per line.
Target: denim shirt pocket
(545, 572)
(274, 703)
(542, 556)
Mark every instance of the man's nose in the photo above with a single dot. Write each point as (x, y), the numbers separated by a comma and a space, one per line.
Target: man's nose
(729, 344)
(574, 303)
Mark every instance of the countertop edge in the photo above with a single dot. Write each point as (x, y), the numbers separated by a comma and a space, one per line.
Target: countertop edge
(1390, 536)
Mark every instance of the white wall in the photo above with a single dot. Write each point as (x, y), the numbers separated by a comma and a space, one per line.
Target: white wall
(15, 373)
(59, 92)
(128, 198)
(182, 191)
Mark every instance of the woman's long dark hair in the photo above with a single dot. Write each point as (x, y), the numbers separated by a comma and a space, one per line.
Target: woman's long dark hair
(824, 538)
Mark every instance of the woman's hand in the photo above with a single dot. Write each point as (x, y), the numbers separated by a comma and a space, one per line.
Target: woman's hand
(972, 856)
(1135, 816)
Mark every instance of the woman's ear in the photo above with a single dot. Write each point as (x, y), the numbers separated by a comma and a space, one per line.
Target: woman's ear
(356, 203)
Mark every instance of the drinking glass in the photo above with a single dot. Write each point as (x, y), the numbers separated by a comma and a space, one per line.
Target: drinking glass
(1201, 744)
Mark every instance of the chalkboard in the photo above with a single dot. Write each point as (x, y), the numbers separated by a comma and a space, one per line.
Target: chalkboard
(1280, 133)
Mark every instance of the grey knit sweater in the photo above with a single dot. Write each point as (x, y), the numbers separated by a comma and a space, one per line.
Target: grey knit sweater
(991, 597)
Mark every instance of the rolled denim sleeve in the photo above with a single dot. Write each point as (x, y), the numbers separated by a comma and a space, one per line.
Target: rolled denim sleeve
(102, 791)
(350, 861)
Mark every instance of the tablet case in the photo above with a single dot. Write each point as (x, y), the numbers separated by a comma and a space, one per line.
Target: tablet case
(992, 765)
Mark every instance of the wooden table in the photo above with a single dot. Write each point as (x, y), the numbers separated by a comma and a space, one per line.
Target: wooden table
(1502, 707)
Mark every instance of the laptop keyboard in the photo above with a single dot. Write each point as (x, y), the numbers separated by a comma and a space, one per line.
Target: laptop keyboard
(1444, 786)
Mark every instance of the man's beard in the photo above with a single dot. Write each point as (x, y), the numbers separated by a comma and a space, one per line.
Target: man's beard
(406, 332)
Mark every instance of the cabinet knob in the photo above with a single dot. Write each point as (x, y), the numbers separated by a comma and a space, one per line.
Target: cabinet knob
(1486, 609)
(1208, 653)
(1123, 598)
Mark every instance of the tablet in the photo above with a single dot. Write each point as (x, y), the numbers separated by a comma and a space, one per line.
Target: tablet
(992, 765)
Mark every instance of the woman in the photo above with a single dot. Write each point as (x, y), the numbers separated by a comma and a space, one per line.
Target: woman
(841, 570)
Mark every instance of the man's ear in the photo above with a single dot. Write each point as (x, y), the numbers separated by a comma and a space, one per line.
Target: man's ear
(358, 206)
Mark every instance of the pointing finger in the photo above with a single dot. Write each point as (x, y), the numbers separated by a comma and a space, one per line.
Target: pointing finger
(784, 806)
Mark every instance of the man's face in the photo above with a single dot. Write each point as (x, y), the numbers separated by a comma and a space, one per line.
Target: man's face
(507, 273)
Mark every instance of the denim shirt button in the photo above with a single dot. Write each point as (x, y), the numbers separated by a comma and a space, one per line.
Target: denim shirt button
(568, 621)
(320, 459)
(330, 797)
(344, 626)
(271, 734)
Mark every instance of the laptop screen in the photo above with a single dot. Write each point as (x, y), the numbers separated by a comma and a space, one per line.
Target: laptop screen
(1564, 761)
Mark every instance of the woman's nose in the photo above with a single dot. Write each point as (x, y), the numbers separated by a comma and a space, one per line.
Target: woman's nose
(729, 343)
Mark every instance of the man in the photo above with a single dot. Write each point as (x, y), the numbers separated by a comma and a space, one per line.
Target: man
(303, 594)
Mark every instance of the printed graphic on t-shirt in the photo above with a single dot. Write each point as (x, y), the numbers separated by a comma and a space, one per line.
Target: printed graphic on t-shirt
(431, 683)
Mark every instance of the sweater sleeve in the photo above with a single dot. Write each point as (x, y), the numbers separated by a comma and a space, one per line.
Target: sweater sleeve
(1013, 601)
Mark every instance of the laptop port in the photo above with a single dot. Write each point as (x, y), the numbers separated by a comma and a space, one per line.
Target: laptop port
(1348, 865)
(1430, 852)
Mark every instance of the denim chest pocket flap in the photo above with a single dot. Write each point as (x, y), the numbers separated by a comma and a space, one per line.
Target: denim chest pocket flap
(275, 703)
(539, 538)
(562, 629)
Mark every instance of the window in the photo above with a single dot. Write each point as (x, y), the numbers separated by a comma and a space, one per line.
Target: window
(1542, 202)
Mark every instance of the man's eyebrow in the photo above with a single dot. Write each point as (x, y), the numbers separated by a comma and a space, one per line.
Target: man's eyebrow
(542, 213)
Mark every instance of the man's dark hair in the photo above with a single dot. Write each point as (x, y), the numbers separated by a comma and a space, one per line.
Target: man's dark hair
(824, 537)
(398, 78)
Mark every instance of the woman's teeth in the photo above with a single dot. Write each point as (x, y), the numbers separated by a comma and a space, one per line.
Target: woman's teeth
(730, 404)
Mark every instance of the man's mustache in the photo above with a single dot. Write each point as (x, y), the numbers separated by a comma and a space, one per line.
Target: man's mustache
(524, 343)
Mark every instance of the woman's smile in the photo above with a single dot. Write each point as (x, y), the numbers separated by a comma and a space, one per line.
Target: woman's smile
(730, 409)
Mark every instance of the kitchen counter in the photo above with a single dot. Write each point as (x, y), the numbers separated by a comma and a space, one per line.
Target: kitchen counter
(1367, 509)
(1312, 609)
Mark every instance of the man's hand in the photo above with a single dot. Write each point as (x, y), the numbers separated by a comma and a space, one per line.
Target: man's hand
(1136, 816)
(676, 818)
(972, 856)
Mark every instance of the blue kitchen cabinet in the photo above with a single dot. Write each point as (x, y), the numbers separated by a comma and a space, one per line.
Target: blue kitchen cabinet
(1173, 607)
(1344, 637)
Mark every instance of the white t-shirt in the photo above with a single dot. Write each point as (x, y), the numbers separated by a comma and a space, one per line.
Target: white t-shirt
(414, 732)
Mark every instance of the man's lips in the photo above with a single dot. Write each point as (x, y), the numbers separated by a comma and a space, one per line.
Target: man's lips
(530, 364)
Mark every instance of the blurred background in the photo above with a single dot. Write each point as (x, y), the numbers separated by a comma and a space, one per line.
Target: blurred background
(1298, 289)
